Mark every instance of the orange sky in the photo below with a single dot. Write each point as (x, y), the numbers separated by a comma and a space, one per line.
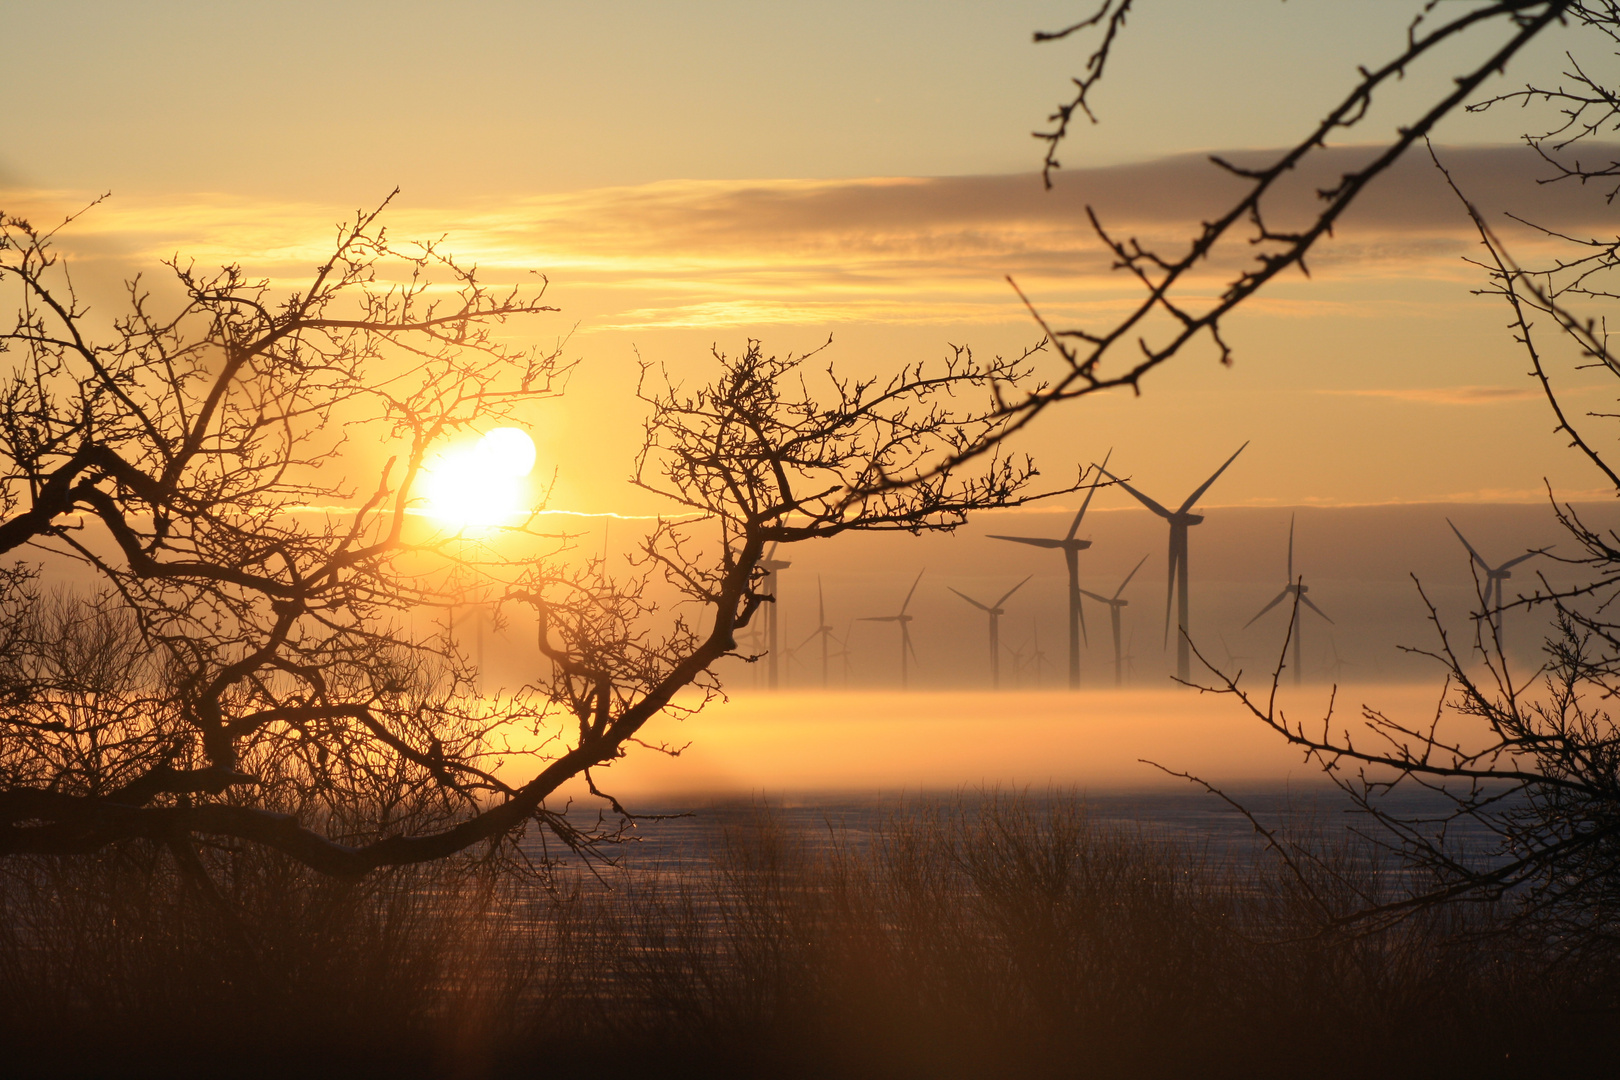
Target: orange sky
(696, 176)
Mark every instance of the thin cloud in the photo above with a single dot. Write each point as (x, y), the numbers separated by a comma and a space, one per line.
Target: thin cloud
(1447, 395)
(717, 253)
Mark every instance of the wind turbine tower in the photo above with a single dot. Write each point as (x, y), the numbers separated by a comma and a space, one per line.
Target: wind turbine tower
(995, 612)
(773, 568)
(1115, 603)
(1181, 519)
(1071, 549)
(906, 649)
(1295, 587)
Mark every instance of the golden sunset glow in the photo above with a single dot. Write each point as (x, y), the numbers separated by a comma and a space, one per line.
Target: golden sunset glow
(480, 487)
(754, 539)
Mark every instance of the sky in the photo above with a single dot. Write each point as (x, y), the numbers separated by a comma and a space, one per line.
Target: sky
(690, 176)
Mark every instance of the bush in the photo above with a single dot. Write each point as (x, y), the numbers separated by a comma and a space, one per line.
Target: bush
(985, 936)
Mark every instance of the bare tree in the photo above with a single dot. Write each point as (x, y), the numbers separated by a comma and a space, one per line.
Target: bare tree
(1529, 760)
(240, 667)
(756, 459)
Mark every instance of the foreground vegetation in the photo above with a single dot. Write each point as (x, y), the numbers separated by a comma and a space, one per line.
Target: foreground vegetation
(987, 936)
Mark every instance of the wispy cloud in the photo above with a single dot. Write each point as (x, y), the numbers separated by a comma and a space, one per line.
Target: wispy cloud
(1446, 395)
(711, 253)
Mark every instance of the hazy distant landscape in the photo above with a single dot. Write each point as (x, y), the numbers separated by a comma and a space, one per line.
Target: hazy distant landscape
(1359, 562)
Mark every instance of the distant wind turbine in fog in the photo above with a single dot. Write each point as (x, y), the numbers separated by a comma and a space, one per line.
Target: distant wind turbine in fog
(1232, 658)
(1339, 663)
(1293, 588)
(476, 613)
(1018, 663)
(749, 640)
(906, 649)
(843, 650)
(996, 612)
(822, 631)
(1181, 519)
(770, 586)
(1114, 605)
(1071, 549)
(1037, 656)
(1494, 576)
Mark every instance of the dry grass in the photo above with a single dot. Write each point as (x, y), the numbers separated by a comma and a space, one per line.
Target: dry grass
(990, 936)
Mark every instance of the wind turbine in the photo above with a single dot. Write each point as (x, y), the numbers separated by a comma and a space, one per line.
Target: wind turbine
(1115, 603)
(472, 606)
(905, 630)
(1180, 519)
(1071, 549)
(1037, 656)
(475, 612)
(1494, 576)
(1018, 663)
(748, 642)
(1293, 588)
(822, 631)
(843, 650)
(1339, 663)
(995, 612)
(1232, 658)
(773, 568)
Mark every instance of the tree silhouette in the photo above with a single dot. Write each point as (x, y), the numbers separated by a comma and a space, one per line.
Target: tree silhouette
(243, 668)
(1530, 756)
(1174, 309)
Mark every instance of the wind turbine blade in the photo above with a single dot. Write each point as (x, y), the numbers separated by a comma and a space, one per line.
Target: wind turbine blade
(1195, 496)
(1033, 541)
(969, 599)
(1074, 526)
(1521, 558)
(817, 632)
(1080, 609)
(770, 556)
(1268, 607)
(1096, 597)
(1128, 577)
(1308, 602)
(1141, 498)
(905, 632)
(1290, 548)
(1469, 546)
(1009, 592)
(821, 604)
(907, 602)
(878, 618)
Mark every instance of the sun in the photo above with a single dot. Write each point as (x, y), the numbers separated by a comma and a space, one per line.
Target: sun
(481, 486)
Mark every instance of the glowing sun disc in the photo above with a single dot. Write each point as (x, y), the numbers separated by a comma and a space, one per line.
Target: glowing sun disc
(481, 486)
(507, 450)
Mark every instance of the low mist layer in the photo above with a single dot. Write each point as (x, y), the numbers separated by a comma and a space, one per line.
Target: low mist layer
(781, 744)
